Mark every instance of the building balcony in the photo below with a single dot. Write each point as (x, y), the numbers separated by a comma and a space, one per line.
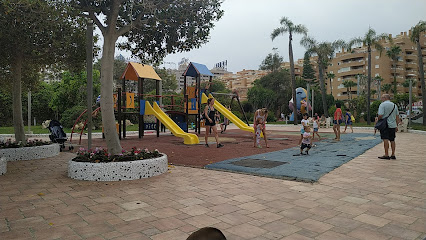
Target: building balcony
(411, 57)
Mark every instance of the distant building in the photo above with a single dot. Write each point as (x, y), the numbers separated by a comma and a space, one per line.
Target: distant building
(242, 81)
(348, 65)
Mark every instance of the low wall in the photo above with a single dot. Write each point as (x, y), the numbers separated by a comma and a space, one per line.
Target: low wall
(29, 153)
(118, 171)
(3, 166)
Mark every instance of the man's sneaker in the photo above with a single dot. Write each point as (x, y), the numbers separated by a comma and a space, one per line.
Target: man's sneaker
(385, 157)
(220, 145)
(206, 145)
(393, 157)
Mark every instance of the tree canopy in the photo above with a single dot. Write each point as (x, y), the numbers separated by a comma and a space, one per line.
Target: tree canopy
(272, 62)
(37, 34)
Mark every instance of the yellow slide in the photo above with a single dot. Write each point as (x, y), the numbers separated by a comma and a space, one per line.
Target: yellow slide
(188, 138)
(228, 114)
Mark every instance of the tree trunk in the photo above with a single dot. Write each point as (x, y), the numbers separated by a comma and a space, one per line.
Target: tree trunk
(331, 88)
(368, 85)
(422, 80)
(293, 79)
(394, 78)
(18, 122)
(107, 103)
(322, 87)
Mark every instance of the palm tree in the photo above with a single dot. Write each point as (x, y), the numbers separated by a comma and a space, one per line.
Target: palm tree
(331, 76)
(393, 54)
(348, 84)
(287, 26)
(371, 39)
(416, 32)
(387, 87)
(325, 52)
(378, 79)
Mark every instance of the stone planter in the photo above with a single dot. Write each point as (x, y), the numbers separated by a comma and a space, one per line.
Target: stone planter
(29, 153)
(118, 171)
(3, 166)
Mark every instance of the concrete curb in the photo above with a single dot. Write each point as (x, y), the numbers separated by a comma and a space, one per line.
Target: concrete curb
(3, 166)
(118, 171)
(30, 153)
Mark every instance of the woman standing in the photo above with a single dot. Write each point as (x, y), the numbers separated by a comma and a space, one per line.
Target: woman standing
(260, 117)
(209, 113)
(338, 117)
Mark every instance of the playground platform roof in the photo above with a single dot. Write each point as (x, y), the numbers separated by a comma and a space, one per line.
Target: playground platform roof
(134, 71)
(195, 69)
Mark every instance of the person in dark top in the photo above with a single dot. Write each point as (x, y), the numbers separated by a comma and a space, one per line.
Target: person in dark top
(209, 113)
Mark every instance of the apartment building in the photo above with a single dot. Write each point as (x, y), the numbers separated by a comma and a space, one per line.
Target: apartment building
(242, 81)
(350, 65)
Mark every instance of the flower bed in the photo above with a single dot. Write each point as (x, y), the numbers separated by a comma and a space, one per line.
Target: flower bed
(98, 165)
(3, 166)
(13, 151)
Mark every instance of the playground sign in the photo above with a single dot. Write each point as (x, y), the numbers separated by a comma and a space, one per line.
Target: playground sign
(130, 100)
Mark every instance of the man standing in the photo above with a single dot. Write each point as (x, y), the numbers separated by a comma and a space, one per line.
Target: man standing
(390, 110)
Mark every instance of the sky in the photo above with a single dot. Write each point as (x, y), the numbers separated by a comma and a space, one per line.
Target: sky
(243, 35)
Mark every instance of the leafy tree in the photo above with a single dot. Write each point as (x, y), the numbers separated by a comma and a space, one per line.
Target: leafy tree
(325, 52)
(279, 83)
(287, 26)
(261, 97)
(416, 32)
(169, 82)
(393, 54)
(308, 70)
(153, 30)
(406, 83)
(71, 91)
(37, 34)
(402, 100)
(5, 108)
(370, 39)
(272, 62)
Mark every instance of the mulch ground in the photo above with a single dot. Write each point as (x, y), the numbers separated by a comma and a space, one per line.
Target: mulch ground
(237, 143)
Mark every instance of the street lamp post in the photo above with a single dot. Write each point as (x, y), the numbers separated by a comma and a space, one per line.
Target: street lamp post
(89, 60)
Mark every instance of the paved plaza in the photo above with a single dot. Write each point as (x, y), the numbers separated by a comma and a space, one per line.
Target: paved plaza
(365, 198)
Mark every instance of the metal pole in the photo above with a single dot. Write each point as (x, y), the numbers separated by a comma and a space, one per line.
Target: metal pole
(89, 62)
(309, 89)
(410, 102)
(312, 102)
(29, 111)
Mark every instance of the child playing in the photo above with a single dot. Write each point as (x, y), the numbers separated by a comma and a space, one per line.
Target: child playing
(259, 128)
(316, 126)
(304, 122)
(306, 141)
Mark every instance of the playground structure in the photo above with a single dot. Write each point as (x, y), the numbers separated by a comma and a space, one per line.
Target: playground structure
(301, 106)
(228, 114)
(178, 123)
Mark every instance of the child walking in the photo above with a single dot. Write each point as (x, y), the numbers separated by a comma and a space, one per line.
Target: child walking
(306, 141)
(316, 127)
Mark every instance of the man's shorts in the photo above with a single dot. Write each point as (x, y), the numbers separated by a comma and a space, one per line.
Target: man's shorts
(302, 131)
(315, 129)
(337, 121)
(388, 133)
(304, 145)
